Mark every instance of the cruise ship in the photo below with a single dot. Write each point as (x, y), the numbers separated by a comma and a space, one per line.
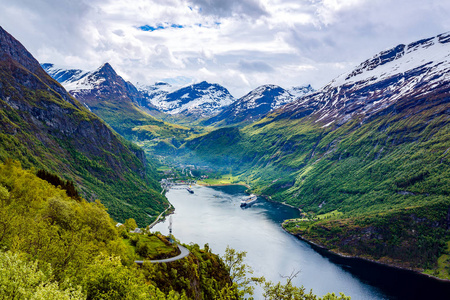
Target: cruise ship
(249, 200)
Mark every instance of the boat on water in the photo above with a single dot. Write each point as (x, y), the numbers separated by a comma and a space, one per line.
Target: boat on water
(249, 200)
(190, 190)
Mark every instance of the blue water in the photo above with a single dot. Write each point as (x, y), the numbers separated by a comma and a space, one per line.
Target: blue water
(212, 215)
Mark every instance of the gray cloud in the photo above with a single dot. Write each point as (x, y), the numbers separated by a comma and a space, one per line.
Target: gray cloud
(356, 32)
(49, 27)
(255, 66)
(227, 8)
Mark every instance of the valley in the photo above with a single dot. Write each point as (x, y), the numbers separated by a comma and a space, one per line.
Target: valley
(364, 161)
(370, 148)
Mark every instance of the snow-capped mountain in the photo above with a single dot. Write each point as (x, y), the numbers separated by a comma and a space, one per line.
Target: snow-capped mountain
(103, 81)
(155, 93)
(300, 91)
(88, 85)
(258, 103)
(395, 79)
(63, 75)
(197, 100)
(200, 100)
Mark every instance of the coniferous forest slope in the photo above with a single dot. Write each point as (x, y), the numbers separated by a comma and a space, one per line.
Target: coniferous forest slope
(369, 152)
(44, 127)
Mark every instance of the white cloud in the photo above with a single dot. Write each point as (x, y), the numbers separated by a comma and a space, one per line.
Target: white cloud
(237, 43)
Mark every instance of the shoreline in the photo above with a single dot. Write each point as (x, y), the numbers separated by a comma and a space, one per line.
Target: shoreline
(222, 184)
(269, 198)
(322, 249)
(160, 217)
(329, 252)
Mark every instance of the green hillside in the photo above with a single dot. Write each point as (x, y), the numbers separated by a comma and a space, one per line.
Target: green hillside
(394, 165)
(56, 247)
(132, 122)
(43, 127)
(53, 246)
(115, 102)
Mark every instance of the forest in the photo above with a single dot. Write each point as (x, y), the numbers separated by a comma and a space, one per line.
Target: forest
(56, 246)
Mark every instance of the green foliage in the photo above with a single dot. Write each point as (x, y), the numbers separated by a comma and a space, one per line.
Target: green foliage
(201, 275)
(130, 224)
(54, 179)
(234, 263)
(106, 278)
(56, 247)
(20, 279)
(287, 291)
(42, 221)
(152, 246)
(412, 238)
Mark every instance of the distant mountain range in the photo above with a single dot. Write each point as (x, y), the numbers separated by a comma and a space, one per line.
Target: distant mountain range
(257, 104)
(201, 100)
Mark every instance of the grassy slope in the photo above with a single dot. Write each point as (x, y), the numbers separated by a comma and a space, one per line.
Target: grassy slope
(386, 163)
(133, 123)
(412, 238)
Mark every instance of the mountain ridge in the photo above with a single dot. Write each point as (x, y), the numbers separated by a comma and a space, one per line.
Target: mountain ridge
(257, 103)
(378, 82)
(44, 127)
(199, 100)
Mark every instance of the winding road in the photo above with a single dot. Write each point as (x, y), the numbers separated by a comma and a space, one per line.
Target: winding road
(183, 254)
(159, 217)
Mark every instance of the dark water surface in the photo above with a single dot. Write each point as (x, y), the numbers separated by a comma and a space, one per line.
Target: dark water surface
(212, 215)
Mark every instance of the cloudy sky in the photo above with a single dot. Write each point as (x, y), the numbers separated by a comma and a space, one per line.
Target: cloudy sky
(240, 44)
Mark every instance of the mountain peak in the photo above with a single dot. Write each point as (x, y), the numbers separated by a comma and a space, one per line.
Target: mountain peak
(253, 105)
(201, 99)
(393, 80)
(107, 68)
(12, 48)
(397, 60)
